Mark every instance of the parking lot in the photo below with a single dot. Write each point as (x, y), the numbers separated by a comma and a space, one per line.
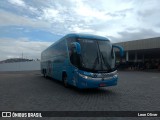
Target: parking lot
(136, 91)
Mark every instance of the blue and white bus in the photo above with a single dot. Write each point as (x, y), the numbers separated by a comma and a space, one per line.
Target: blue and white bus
(81, 60)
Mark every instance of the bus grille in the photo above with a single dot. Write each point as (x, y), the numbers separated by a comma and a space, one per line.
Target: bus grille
(104, 75)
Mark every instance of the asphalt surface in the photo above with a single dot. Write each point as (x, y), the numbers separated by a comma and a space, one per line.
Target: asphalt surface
(29, 91)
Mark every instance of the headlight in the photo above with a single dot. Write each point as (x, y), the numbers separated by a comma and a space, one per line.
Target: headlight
(88, 77)
(100, 76)
(114, 73)
(84, 76)
(115, 76)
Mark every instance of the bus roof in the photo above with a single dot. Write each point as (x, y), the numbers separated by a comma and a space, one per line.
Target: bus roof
(89, 36)
(80, 35)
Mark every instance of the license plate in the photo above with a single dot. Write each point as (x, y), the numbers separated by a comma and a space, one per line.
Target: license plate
(102, 85)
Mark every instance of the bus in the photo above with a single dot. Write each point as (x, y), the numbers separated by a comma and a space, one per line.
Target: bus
(81, 60)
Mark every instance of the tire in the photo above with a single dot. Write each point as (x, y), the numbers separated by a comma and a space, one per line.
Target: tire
(65, 81)
(44, 73)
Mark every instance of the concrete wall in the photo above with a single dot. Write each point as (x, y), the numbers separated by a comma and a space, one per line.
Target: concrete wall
(20, 66)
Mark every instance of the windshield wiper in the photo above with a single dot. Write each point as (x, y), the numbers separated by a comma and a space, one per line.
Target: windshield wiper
(96, 61)
(105, 62)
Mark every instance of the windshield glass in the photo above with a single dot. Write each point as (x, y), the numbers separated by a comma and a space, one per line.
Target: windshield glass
(97, 55)
(89, 54)
(107, 55)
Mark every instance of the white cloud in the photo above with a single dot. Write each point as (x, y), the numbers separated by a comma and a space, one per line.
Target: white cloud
(50, 13)
(86, 11)
(120, 20)
(15, 47)
(18, 2)
(128, 35)
(78, 29)
(102, 17)
(8, 18)
(32, 9)
(52, 16)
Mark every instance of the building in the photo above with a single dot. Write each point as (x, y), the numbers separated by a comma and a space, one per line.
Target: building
(144, 53)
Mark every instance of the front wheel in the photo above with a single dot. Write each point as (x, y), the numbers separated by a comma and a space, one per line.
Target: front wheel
(44, 73)
(65, 83)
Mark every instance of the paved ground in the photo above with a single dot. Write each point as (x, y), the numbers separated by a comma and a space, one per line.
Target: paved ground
(136, 91)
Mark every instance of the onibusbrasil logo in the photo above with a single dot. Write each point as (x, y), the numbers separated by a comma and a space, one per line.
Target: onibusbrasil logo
(21, 114)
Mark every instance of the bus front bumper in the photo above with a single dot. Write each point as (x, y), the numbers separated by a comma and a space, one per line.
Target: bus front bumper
(95, 83)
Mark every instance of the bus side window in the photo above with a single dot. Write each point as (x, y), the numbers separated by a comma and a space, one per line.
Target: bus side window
(63, 49)
(74, 58)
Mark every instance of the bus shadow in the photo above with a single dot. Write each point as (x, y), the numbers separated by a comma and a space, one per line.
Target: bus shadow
(93, 91)
(53, 80)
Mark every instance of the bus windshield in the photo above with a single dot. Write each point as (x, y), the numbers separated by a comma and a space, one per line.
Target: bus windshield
(96, 55)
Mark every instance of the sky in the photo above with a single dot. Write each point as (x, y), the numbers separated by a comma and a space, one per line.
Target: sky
(30, 26)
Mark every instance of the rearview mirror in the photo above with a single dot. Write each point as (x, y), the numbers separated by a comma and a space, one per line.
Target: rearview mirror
(77, 47)
(120, 49)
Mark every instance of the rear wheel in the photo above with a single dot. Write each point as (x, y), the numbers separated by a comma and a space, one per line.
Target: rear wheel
(65, 83)
(44, 73)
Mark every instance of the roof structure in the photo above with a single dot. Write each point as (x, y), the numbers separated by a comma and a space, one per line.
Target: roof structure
(150, 43)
